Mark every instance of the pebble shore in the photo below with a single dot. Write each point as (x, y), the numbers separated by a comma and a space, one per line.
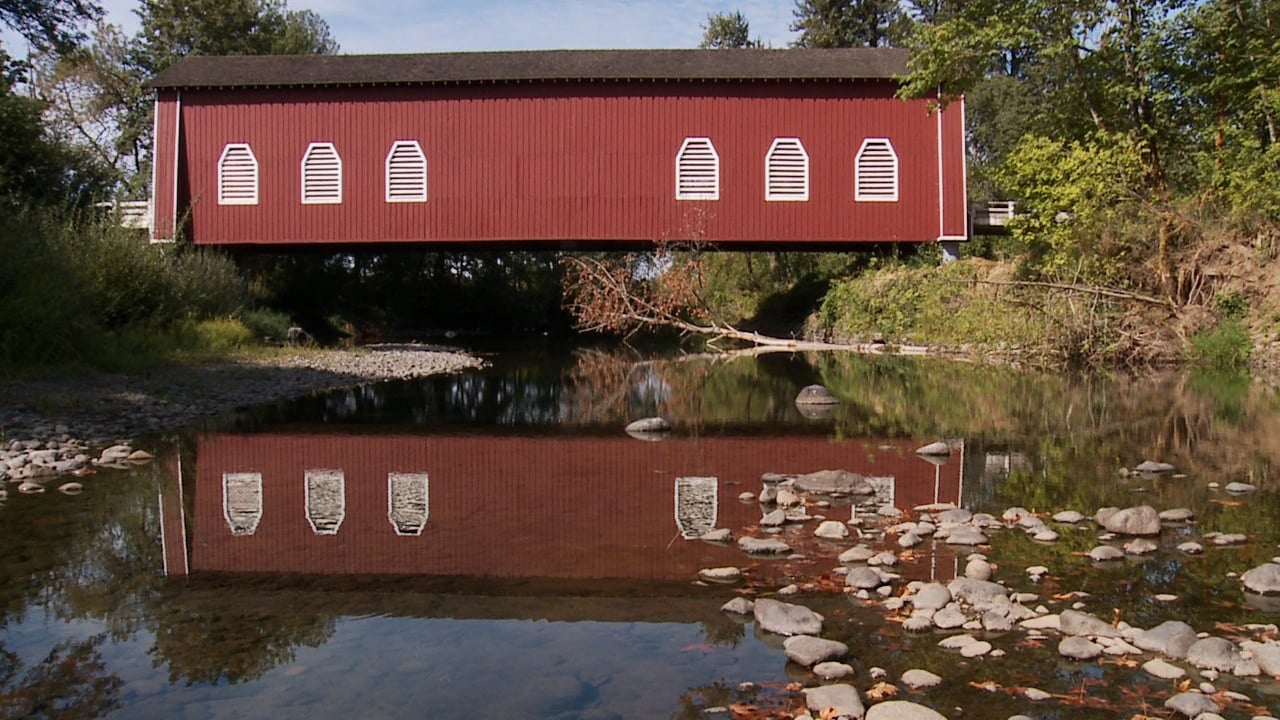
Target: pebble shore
(52, 427)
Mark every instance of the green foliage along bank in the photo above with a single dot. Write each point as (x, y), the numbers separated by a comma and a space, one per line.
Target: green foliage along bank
(77, 291)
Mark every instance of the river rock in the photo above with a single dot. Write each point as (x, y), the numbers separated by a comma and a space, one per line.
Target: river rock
(783, 618)
(931, 596)
(717, 535)
(1177, 515)
(1150, 467)
(1070, 517)
(763, 546)
(1104, 553)
(1139, 520)
(649, 425)
(909, 540)
(816, 395)
(902, 710)
(738, 606)
(1163, 670)
(827, 482)
(977, 569)
(1140, 546)
(1239, 488)
(864, 578)
(965, 535)
(1230, 539)
(1044, 535)
(976, 649)
(831, 530)
(720, 574)
(1172, 638)
(1079, 648)
(856, 554)
(954, 515)
(1214, 653)
(1266, 655)
(996, 622)
(918, 622)
(950, 617)
(70, 488)
(773, 518)
(1191, 704)
(808, 651)
(1191, 547)
(918, 679)
(787, 498)
(1264, 579)
(829, 671)
(979, 594)
(835, 701)
(1074, 622)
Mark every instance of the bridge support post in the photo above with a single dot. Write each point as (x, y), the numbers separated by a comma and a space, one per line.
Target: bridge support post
(950, 251)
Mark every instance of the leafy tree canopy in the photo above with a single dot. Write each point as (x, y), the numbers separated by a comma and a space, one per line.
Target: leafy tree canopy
(727, 31)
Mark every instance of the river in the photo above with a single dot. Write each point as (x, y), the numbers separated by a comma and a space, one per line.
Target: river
(493, 544)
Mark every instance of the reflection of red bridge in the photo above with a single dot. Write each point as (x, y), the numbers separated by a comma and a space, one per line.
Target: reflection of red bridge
(496, 506)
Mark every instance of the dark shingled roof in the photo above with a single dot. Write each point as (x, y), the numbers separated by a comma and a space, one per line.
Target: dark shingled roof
(243, 71)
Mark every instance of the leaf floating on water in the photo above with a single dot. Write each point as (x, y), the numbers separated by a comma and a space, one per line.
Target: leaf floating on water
(881, 691)
(1183, 686)
(987, 685)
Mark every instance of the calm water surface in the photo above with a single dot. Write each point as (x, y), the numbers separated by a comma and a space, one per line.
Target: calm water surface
(494, 545)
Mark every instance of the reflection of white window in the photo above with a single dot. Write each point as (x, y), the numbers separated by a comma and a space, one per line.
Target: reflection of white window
(697, 502)
(407, 502)
(697, 170)
(326, 500)
(242, 501)
(786, 170)
(406, 172)
(876, 171)
(237, 176)
(321, 175)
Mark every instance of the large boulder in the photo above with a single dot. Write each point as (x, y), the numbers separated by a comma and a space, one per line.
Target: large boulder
(783, 618)
(1214, 653)
(827, 482)
(1140, 520)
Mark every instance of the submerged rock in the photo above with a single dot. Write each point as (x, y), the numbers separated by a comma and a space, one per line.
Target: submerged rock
(1192, 704)
(827, 482)
(917, 679)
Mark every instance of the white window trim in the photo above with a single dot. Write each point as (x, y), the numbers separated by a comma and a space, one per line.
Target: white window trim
(697, 144)
(865, 195)
(775, 175)
(325, 492)
(408, 502)
(314, 196)
(418, 156)
(236, 152)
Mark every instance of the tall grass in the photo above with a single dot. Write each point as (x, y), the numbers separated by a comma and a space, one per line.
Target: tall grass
(76, 290)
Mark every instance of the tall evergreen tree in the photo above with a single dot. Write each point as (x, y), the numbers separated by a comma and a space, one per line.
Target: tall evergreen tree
(849, 23)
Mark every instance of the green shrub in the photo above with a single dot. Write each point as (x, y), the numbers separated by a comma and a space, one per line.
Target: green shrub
(1231, 305)
(266, 323)
(1226, 346)
(222, 334)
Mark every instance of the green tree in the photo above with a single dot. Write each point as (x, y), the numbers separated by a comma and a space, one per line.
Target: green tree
(849, 23)
(48, 23)
(727, 31)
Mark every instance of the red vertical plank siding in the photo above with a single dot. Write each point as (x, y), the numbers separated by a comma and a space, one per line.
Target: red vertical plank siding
(954, 173)
(164, 166)
(566, 161)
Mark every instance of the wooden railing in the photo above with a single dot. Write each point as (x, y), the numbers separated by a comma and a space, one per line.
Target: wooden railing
(991, 217)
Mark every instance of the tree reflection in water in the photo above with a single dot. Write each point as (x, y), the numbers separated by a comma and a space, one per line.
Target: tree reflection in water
(69, 684)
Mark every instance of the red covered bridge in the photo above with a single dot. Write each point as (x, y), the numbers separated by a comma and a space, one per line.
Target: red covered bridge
(557, 149)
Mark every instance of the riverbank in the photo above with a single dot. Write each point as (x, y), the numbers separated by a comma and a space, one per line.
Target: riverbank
(76, 415)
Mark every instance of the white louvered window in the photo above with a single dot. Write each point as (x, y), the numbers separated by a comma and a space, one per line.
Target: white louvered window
(877, 172)
(237, 175)
(406, 172)
(321, 175)
(697, 170)
(786, 170)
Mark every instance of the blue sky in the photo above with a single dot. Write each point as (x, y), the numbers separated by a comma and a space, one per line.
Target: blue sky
(376, 26)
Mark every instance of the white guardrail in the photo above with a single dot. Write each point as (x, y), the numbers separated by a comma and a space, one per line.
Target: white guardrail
(132, 214)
